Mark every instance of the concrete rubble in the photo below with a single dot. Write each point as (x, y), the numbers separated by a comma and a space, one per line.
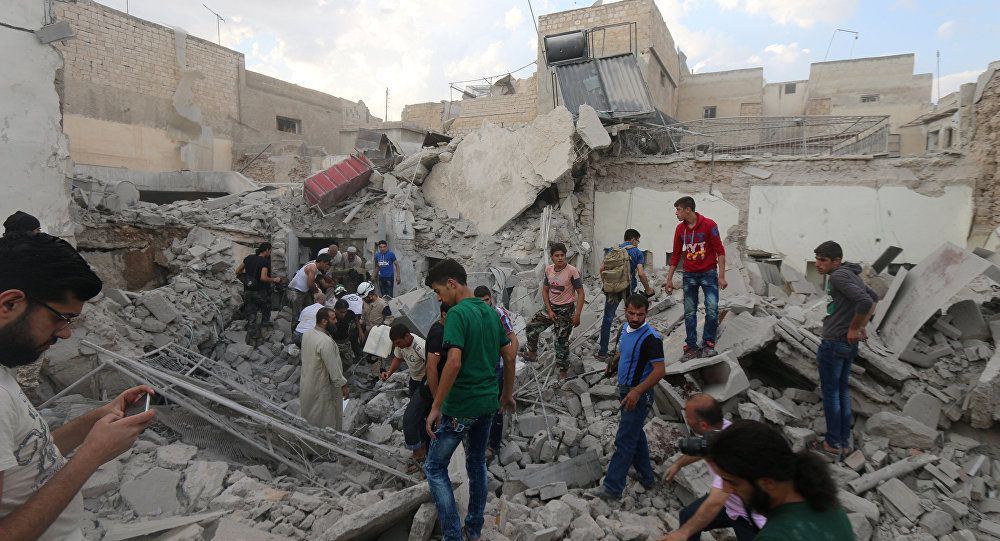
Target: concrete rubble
(925, 388)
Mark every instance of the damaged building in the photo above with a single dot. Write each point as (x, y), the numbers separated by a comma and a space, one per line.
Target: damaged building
(141, 169)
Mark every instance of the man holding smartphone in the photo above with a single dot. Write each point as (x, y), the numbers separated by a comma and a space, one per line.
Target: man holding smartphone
(43, 285)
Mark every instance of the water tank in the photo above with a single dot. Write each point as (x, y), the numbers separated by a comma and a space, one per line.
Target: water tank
(566, 46)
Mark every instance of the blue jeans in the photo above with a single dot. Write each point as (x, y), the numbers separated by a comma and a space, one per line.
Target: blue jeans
(496, 429)
(610, 308)
(446, 440)
(708, 281)
(744, 531)
(385, 284)
(631, 448)
(835, 358)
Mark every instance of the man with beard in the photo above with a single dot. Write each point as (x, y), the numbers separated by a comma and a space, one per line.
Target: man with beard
(466, 397)
(717, 509)
(322, 385)
(639, 364)
(793, 490)
(43, 285)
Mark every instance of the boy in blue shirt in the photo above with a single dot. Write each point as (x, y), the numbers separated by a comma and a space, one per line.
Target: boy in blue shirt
(388, 268)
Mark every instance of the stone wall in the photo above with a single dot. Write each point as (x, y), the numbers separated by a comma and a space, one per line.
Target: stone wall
(728, 91)
(985, 142)
(34, 151)
(427, 115)
(499, 110)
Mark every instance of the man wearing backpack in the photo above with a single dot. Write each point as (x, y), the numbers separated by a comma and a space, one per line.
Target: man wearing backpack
(257, 288)
(619, 271)
(697, 240)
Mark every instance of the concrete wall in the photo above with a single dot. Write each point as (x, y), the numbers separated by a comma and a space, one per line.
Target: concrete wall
(429, 115)
(986, 153)
(502, 110)
(33, 150)
(733, 93)
(230, 182)
(946, 125)
(902, 95)
(657, 54)
(793, 220)
(777, 102)
(650, 212)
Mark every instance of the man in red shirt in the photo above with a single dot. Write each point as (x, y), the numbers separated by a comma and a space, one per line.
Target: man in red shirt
(697, 238)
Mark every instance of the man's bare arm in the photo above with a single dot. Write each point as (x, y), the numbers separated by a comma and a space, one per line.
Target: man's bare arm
(706, 512)
(640, 272)
(432, 372)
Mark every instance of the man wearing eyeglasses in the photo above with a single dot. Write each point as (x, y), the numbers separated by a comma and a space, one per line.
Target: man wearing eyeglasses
(43, 285)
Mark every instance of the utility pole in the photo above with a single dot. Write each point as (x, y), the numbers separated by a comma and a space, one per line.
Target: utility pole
(218, 24)
(835, 35)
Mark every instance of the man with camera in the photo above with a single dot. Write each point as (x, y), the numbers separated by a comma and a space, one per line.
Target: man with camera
(717, 509)
(639, 364)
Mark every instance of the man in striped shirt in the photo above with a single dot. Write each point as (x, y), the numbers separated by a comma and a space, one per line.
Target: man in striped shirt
(639, 364)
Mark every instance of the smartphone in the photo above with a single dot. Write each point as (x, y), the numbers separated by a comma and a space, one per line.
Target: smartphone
(140, 405)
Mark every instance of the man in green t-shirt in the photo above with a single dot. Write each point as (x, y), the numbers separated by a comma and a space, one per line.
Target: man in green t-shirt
(466, 397)
(793, 490)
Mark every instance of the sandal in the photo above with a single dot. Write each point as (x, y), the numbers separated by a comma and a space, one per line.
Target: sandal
(817, 446)
(416, 464)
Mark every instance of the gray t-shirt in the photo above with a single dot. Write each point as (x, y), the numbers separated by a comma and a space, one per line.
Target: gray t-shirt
(847, 295)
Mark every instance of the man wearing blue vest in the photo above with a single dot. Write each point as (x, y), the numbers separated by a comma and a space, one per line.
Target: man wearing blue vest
(639, 364)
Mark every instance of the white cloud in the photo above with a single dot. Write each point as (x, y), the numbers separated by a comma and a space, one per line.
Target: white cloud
(513, 18)
(946, 30)
(782, 54)
(803, 14)
(951, 83)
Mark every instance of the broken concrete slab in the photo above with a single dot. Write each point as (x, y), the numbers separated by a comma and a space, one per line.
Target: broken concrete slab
(924, 408)
(519, 164)
(590, 129)
(772, 411)
(121, 531)
(900, 497)
(745, 333)
(422, 525)
(984, 399)
(901, 431)
(722, 375)
(145, 501)
(381, 516)
(925, 289)
(884, 303)
(231, 530)
(967, 318)
(578, 472)
(158, 305)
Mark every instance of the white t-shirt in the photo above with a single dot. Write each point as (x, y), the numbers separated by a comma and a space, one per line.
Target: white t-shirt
(354, 302)
(29, 458)
(415, 357)
(307, 317)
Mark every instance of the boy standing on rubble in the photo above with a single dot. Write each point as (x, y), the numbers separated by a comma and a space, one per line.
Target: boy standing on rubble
(466, 397)
(850, 305)
(561, 285)
(697, 239)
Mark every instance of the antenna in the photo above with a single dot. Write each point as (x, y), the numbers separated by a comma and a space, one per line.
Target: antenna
(218, 24)
(835, 35)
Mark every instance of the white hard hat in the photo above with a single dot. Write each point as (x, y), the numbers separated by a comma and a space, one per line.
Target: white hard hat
(365, 289)
(339, 290)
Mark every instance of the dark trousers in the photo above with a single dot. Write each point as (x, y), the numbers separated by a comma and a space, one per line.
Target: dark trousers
(385, 284)
(414, 425)
(744, 531)
(257, 302)
(496, 430)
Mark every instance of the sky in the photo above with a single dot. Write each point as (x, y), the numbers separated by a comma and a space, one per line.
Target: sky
(356, 49)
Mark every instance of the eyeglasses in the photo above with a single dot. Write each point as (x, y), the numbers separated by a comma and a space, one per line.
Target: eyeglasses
(67, 319)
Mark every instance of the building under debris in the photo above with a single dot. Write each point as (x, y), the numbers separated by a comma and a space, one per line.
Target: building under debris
(166, 178)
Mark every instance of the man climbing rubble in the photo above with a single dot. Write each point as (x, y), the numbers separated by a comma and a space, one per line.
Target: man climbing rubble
(496, 431)
(466, 398)
(561, 285)
(322, 386)
(411, 349)
(639, 364)
(718, 508)
(44, 284)
(257, 292)
(697, 239)
(636, 274)
(850, 305)
(304, 283)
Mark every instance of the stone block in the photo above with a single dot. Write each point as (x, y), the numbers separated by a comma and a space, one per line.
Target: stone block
(552, 491)
(901, 431)
(231, 530)
(158, 305)
(924, 408)
(771, 410)
(856, 504)
(967, 318)
(722, 375)
(937, 522)
(590, 129)
(578, 472)
(529, 425)
(556, 514)
(856, 461)
(510, 453)
(175, 456)
(984, 400)
(897, 494)
(799, 437)
(989, 527)
(104, 479)
(153, 493)
(862, 528)
(422, 525)
(203, 480)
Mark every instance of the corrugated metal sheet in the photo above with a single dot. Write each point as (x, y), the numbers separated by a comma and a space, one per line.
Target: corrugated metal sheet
(326, 188)
(612, 85)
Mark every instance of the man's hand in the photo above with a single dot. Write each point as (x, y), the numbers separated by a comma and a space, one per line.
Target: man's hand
(433, 421)
(668, 288)
(723, 283)
(631, 399)
(112, 435)
(397, 280)
(675, 536)
(118, 406)
(671, 472)
(552, 316)
(346, 390)
(507, 405)
(277, 279)
(385, 376)
(854, 336)
(650, 292)
(576, 320)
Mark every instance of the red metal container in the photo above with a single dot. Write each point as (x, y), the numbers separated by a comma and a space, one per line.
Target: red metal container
(327, 188)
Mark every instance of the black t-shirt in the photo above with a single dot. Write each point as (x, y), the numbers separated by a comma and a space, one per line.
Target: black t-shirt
(435, 344)
(253, 265)
(341, 331)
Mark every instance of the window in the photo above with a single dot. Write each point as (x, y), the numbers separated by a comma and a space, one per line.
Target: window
(288, 125)
(946, 143)
(869, 98)
(789, 88)
(708, 112)
(663, 78)
(932, 140)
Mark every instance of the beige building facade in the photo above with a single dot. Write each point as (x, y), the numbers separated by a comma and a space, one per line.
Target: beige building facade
(144, 96)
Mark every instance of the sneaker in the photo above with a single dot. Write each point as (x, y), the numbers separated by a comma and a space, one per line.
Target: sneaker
(708, 350)
(599, 492)
(690, 353)
(647, 486)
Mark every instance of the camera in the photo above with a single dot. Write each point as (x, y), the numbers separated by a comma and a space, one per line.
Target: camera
(698, 445)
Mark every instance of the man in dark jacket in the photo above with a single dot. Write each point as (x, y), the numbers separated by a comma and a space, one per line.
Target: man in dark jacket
(850, 305)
